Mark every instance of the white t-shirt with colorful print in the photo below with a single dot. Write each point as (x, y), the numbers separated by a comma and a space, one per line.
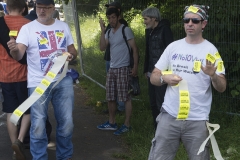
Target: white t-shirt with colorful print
(179, 57)
(42, 41)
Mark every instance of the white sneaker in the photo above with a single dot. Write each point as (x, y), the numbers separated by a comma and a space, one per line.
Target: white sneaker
(51, 145)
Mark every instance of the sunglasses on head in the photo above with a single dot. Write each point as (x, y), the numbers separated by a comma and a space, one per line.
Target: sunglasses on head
(194, 20)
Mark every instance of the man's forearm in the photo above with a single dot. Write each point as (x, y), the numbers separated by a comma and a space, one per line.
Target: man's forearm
(219, 82)
(155, 77)
(102, 42)
(15, 54)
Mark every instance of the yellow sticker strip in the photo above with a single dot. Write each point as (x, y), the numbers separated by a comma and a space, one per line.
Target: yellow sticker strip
(60, 34)
(220, 66)
(210, 58)
(18, 113)
(184, 105)
(197, 66)
(43, 41)
(193, 9)
(45, 82)
(13, 33)
(217, 55)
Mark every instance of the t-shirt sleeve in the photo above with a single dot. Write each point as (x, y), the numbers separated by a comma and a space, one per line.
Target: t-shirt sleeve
(164, 60)
(22, 36)
(128, 33)
(69, 36)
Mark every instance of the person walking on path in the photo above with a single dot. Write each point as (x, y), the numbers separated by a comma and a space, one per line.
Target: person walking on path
(188, 98)
(158, 36)
(119, 72)
(13, 78)
(48, 35)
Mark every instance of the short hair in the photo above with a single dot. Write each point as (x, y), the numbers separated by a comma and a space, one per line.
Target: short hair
(111, 11)
(16, 5)
(31, 4)
(152, 12)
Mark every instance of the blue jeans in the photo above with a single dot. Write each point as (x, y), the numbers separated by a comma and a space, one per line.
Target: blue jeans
(62, 98)
(120, 105)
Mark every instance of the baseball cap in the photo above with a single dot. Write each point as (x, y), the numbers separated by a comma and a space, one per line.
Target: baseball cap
(45, 2)
(115, 4)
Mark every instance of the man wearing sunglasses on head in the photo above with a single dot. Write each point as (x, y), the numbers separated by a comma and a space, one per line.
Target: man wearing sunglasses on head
(188, 67)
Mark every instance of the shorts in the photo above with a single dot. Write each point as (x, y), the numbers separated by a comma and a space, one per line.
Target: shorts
(14, 95)
(117, 84)
(170, 132)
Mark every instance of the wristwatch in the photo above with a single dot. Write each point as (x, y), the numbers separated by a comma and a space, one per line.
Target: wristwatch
(161, 80)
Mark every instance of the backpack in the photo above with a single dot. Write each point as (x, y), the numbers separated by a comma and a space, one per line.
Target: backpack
(129, 49)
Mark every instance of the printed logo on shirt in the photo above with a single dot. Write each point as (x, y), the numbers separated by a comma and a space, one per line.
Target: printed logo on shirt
(49, 42)
(182, 57)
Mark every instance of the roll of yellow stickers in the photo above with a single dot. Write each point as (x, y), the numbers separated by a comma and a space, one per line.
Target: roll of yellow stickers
(41, 88)
(13, 33)
(217, 55)
(193, 9)
(220, 66)
(43, 41)
(60, 34)
(210, 58)
(197, 66)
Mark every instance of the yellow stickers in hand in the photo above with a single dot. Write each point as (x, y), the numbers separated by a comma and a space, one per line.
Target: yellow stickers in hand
(60, 34)
(197, 66)
(13, 33)
(166, 72)
(43, 41)
(220, 66)
(193, 9)
(210, 58)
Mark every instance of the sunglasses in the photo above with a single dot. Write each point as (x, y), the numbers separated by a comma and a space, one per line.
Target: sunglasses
(194, 20)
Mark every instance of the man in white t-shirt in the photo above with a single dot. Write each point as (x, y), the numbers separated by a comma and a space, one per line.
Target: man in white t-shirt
(41, 39)
(188, 66)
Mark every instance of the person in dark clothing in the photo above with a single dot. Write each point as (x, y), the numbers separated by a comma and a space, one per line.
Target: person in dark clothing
(158, 37)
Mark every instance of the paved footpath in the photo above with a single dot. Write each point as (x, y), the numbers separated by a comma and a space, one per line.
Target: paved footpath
(89, 142)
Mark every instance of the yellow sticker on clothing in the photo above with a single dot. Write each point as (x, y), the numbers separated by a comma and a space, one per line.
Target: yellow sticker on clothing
(184, 107)
(220, 66)
(51, 75)
(45, 82)
(39, 90)
(210, 58)
(217, 55)
(166, 72)
(18, 113)
(60, 34)
(13, 33)
(184, 100)
(193, 9)
(184, 93)
(43, 41)
(197, 66)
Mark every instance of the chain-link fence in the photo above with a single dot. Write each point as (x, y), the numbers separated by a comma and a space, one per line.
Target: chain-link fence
(222, 30)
